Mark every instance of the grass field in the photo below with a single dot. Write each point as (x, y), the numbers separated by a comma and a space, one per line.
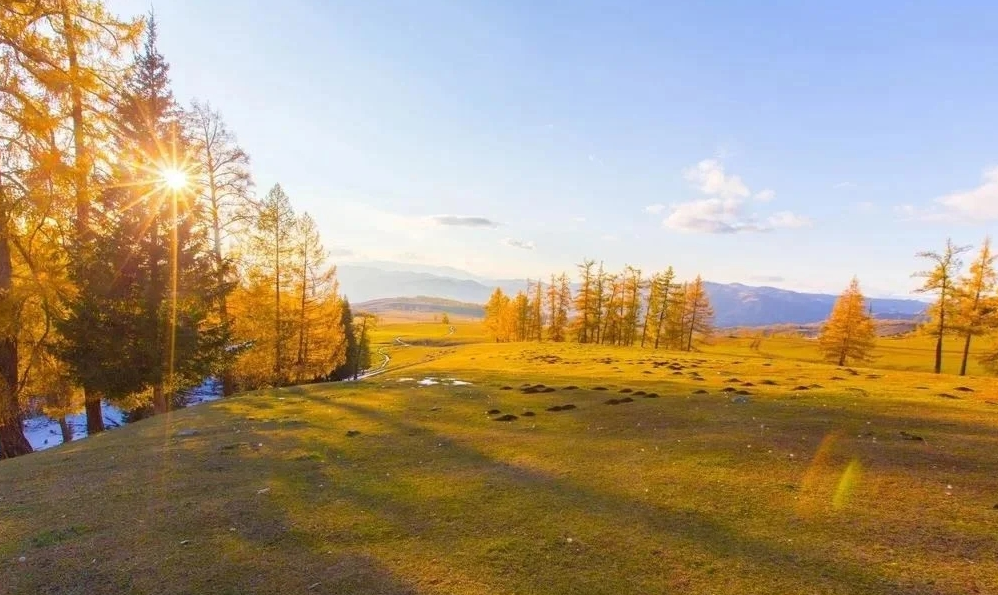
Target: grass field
(911, 353)
(747, 472)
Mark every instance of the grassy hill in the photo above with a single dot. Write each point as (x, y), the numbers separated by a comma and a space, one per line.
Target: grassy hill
(421, 308)
(747, 472)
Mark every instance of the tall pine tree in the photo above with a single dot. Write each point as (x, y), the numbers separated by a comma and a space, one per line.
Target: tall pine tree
(139, 326)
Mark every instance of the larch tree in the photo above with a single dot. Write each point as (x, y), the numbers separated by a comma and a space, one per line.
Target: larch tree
(699, 313)
(633, 289)
(977, 312)
(849, 332)
(536, 291)
(498, 313)
(318, 304)
(942, 280)
(59, 60)
(664, 287)
(273, 250)
(596, 304)
(521, 306)
(584, 300)
(224, 183)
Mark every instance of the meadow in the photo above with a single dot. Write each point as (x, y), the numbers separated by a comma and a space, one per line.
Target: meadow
(475, 467)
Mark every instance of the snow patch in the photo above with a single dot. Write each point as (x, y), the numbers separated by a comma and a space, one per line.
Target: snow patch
(43, 432)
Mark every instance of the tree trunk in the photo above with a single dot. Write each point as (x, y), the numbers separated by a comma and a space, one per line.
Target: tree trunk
(966, 354)
(12, 440)
(301, 321)
(159, 403)
(67, 432)
(228, 384)
(95, 417)
(277, 300)
(81, 180)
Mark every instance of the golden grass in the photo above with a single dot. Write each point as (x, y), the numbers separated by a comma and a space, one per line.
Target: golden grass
(824, 490)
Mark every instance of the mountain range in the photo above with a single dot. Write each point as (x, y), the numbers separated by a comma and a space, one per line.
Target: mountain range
(734, 304)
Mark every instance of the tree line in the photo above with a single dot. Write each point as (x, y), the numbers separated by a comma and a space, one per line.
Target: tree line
(135, 257)
(606, 308)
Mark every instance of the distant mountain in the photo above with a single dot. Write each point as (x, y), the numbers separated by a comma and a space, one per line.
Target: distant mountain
(361, 283)
(734, 304)
(742, 305)
(421, 305)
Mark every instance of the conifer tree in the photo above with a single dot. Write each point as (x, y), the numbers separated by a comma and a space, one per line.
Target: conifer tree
(666, 290)
(632, 290)
(584, 301)
(140, 320)
(849, 332)
(521, 306)
(942, 280)
(597, 303)
(497, 315)
(348, 344)
(223, 183)
(536, 310)
(272, 250)
(977, 312)
(699, 312)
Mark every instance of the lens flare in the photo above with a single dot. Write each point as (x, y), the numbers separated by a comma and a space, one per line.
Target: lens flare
(847, 484)
(174, 179)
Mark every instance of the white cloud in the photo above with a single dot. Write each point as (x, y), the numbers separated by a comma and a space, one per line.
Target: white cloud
(578, 219)
(765, 195)
(709, 177)
(463, 221)
(655, 209)
(609, 237)
(977, 204)
(787, 220)
(844, 185)
(723, 211)
(709, 215)
(523, 245)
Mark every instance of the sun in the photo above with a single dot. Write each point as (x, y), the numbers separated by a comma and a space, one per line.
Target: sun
(174, 179)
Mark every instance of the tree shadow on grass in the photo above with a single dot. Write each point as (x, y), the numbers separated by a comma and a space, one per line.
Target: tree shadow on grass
(491, 501)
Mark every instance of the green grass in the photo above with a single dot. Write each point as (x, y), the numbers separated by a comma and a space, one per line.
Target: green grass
(385, 486)
(913, 353)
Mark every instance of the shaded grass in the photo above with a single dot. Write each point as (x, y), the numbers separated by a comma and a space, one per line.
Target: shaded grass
(387, 487)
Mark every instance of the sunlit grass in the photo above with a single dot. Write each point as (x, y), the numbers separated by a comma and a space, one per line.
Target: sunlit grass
(388, 487)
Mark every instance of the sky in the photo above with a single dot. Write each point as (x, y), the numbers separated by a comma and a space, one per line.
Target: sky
(782, 143)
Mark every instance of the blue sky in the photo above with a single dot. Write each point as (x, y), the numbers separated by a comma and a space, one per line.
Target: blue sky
(782, 143)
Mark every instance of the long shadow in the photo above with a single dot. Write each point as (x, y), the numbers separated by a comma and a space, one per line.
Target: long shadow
(625, 514)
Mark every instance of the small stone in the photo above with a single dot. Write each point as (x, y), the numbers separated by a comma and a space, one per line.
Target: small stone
(23, 559)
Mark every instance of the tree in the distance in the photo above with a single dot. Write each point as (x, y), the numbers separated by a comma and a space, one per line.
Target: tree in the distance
(700, 314)
(977, 312)
(942, 280)
(849, 332)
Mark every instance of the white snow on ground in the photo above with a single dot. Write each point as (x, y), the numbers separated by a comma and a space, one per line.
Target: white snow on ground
(406, 379)
(428, 381)
(43, 432)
